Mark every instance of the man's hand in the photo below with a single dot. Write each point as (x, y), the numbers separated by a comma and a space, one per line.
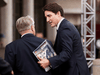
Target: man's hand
(43, 62)
(12, 72)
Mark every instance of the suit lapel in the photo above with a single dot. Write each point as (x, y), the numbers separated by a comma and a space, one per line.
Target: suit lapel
(58, 31)
(61, 25)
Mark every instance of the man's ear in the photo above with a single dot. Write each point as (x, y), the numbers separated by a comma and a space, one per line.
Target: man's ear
(58, 13)
(32, 28)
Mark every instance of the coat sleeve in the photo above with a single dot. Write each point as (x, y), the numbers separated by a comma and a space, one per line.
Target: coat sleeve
(5, 68)
(9, 56)
(66, 44)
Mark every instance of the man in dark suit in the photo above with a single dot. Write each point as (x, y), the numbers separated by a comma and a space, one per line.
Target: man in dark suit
(70, 58)
(5, 68)
(19, 53)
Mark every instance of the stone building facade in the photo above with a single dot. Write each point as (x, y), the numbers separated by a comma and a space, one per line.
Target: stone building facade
(11, 10)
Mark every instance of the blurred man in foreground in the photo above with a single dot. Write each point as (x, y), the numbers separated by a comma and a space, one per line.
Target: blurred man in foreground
(5, 68)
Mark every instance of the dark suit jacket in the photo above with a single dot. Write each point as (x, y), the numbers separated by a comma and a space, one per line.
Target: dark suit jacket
(70, 59)
(20, 56)
(5, 68)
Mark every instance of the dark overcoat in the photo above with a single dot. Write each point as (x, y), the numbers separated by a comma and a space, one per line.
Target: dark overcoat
(20, 56)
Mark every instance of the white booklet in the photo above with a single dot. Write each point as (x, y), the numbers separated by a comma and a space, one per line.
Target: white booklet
(44, 50)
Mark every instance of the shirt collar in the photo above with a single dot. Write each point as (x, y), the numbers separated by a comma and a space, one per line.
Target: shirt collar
(59, 24)
(25, 34)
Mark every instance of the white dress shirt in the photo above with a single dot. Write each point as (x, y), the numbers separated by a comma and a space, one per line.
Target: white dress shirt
(59, 24)
(25, 34)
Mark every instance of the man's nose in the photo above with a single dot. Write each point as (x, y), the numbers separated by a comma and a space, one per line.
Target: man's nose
(47, 19)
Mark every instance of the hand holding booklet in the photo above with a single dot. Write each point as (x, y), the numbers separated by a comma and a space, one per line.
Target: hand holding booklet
(44, 51)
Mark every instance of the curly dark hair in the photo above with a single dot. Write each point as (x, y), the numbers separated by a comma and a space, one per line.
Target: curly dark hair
(53, 7)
